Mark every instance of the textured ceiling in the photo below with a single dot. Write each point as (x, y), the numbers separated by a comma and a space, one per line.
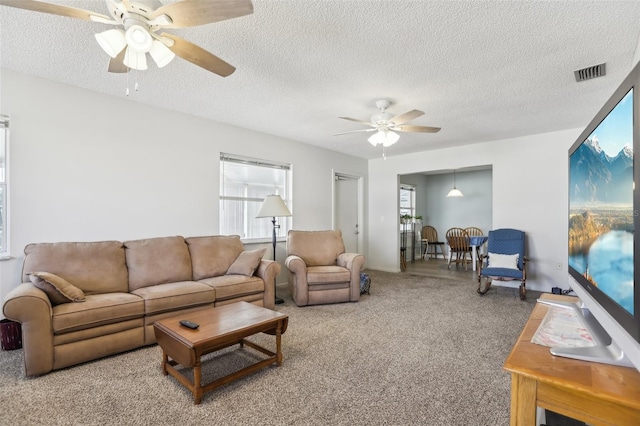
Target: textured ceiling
(479, 70)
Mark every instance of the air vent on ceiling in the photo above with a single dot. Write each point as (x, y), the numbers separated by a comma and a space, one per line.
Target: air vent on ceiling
(588, 73)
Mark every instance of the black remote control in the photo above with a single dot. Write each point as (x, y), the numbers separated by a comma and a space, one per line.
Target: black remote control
(189, 324)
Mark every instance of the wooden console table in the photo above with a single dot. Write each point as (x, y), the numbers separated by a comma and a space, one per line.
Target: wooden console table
(598, 394)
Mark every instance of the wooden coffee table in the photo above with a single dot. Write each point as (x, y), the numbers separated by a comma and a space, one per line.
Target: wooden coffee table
(220, 327)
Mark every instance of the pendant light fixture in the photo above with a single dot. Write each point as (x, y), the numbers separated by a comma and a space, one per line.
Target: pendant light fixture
(455, 192)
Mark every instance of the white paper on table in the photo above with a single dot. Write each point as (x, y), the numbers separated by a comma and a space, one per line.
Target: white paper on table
(561, 327)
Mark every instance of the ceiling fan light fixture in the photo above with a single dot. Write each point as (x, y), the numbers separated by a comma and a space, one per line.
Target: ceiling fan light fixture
(390, 138)
(376, 138)
(138, 38)
(135, 60)
(161, 54)
(384, 138)
(112, 41)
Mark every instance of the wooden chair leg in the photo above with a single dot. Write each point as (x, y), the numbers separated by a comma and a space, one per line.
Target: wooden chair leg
(523, 291)
(486, 288)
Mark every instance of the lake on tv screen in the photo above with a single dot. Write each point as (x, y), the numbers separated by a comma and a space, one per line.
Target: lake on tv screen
(608, 263)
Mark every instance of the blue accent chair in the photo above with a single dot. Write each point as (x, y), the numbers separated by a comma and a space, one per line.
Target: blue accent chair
(504, 242)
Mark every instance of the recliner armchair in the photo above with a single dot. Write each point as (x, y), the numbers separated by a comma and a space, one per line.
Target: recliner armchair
(320, 271)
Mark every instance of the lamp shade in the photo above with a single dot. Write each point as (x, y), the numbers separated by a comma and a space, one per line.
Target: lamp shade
(138, 38)
(111, 41)
(384, 137)
(455, 192)
(273, 206)
(161, 54)
(135, 60)
(390, 138)
(376, 138)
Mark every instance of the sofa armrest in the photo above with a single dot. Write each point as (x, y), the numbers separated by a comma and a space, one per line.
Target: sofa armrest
(298, 285)
(268, 270)
(354, 263)
(31, 307)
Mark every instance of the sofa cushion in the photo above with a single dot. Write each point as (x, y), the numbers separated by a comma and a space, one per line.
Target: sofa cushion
(93, 267)
(173, 296)
(212, 256)
(316, 248)
(232, 286)
(97, 310)
(58, 289)
(246, 263)
(157, 261)
(327, 274)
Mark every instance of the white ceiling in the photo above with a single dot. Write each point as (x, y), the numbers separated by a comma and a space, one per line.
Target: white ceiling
(479, 70)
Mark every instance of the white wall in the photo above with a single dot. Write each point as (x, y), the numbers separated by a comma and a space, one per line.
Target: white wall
(87, 166)
(529, 193)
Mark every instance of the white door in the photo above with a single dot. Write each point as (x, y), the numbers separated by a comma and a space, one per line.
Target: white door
(346, 211)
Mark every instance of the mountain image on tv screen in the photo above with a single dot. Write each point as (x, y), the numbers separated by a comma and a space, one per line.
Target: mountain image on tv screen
(601, 205)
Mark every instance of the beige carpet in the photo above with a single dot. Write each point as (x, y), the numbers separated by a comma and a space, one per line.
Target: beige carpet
(418, 350)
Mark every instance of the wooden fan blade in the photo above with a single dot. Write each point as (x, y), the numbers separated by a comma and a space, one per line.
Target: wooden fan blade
(54, 9)
(116, 65)
(368, 123)
(355, 131)
(407, 116)
(421, 129)
(190, 13)
(197, 55)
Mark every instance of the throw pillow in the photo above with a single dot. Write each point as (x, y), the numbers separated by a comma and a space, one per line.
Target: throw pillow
(508, 261)
(57, 288)
(246, 263)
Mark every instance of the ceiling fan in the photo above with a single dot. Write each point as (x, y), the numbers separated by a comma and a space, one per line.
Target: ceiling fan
(138, 23)
(386, 125)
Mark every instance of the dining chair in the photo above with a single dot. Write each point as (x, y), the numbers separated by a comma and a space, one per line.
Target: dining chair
(474, 232)
(458, 241)
(430, 242)
(475, 242)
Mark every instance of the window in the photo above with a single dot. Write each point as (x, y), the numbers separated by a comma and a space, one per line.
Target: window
(244, 183)
(4, 186)
(407, 200)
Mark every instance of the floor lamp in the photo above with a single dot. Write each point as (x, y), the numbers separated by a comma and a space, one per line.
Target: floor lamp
(273, 207)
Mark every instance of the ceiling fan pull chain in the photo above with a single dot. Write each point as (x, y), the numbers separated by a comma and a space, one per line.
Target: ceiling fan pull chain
(384, 152)
(127, 91)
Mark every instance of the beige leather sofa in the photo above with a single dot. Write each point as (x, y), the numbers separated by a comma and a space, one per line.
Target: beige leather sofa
(127, 286)
(319, 269)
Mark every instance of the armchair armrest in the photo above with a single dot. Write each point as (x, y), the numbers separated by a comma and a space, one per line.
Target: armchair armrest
(298, 284)
(296, 265)
(268, 270)
(354, 263)
(350, 261)
(31, 307)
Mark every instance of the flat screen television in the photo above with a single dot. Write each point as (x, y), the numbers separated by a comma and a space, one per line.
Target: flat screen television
(604, 256)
